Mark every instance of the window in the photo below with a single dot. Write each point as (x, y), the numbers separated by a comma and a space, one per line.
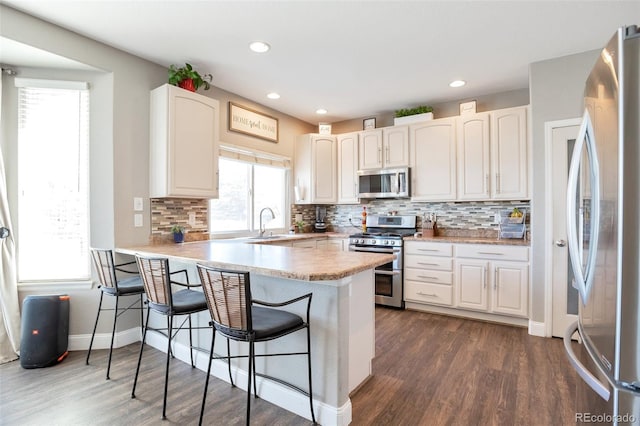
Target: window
(53, 174)
(245, 189)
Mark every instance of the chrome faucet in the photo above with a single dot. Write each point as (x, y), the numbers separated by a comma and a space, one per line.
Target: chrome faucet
(262, 229)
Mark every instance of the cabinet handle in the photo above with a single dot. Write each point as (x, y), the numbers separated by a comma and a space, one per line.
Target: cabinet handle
(495, 278)
(379, 155)
(428, 278)
(388, 153)
(427, 264)
(427, 249)
(488, 183)
(498, 183)
(427, 294)
(484, 276)
(491, 253)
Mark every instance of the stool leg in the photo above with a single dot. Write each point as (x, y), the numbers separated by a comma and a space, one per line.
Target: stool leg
(113, 333)
(251, 355)
(144, 336)
(228, 361)
(206, 383)
(166, 373)
(313, 417)
(95, 326)
(191, 343)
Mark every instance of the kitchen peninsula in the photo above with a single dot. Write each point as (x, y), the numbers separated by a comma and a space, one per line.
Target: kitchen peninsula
(342, 318)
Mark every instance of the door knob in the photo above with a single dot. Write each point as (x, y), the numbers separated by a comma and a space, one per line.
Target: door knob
(561, 243)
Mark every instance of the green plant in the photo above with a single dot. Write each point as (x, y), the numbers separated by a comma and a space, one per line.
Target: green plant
(177, 229)
(413, 111)
(300, 225)
(179, 74)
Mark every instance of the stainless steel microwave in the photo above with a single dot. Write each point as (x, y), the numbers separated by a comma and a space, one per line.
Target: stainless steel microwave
(384, 183)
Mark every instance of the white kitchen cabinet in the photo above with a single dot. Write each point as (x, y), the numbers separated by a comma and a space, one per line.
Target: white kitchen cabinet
(493, 156)
(432, 151)
(428, 273)
(370, 150)
(315, 169)
(384, 148)
(348, 168)
(473, 157)
(492, 278)
(509, 154)
(184, 143)
(395, 146)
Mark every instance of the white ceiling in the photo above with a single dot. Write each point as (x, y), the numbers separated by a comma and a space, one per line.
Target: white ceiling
(354, 58)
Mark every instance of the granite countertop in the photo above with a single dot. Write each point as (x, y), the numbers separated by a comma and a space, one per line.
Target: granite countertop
(265, 259)
(472, 240)
(278, 238)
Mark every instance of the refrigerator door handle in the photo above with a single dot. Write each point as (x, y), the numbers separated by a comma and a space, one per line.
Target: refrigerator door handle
(583, 277)
(582, 371)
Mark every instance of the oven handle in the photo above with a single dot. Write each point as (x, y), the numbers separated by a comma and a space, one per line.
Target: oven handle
(375, 250)
(394, 272)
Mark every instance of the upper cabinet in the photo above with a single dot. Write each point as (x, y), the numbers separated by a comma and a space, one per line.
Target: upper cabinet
(348, 168)
(183, 144)
(315, 169)
(384, 148)
(509, 154)
(432, 149)
(492, 155)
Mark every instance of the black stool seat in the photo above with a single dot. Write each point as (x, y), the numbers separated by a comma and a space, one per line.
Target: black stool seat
(125, 287)
(184, 302)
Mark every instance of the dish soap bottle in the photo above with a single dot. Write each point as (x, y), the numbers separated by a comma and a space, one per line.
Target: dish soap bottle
(364, 219)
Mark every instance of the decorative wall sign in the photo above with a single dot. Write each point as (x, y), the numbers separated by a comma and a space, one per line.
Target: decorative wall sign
(252, 123)
(368, 123)
(324, 129)
(468, 108)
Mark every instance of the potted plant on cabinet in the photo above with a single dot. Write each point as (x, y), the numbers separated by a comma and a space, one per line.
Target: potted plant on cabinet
(413, 115)
(188, 78)
(178, 233)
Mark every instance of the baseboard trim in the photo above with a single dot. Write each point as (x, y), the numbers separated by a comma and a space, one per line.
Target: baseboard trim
(537, 329)
(80, 342)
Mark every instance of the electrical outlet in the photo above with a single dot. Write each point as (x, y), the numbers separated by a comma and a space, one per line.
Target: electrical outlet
(298, 217)
(138, 206)
(137, 220)
(192, 218)
(350, 216)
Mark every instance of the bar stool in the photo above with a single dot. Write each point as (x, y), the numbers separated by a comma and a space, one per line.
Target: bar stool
(161, 299)
(235, 315)
(111, 286)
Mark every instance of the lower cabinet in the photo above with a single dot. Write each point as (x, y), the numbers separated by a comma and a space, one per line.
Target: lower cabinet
(492, 279)
(428, 273)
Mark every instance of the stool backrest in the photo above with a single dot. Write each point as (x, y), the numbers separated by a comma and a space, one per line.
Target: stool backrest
(105, 267)
(228, 296)
(155, 277)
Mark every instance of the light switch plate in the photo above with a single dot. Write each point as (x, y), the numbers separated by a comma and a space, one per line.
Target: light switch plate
(138, 206)
(137, 220)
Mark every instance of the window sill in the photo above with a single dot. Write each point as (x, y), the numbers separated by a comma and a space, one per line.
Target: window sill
(49, 286)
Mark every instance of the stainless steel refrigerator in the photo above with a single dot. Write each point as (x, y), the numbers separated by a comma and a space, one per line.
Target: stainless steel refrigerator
(603, 223)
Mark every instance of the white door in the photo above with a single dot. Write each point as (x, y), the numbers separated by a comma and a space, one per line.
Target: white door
(564, 296)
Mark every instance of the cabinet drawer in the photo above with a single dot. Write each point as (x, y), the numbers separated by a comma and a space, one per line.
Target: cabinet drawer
(428, 293)
(490, 251)
(439, 277)
(429, 249)
(427, 262)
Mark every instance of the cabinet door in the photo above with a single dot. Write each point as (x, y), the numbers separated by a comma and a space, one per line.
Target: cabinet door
(510, 293)
(370, 149)
(509, 154)
(432, 151)
(324, 176)
(184, 144)
(396, 146)
(471, 278)
(473, 157)
(348, 168)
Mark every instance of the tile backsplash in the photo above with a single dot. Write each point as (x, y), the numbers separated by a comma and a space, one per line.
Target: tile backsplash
(472, 216)
(166, 212)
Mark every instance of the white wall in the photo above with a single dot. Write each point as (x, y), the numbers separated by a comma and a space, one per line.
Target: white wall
(556, 88)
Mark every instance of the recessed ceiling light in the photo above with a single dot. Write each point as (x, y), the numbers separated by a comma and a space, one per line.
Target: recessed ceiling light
(457, 83)
(273, 95)
(321, 111)
(259, 46)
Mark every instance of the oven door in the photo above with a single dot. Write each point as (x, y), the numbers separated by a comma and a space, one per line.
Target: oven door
(388, 277)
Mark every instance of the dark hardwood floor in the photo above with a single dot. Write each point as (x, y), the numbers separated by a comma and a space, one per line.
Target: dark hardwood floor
(429, 370)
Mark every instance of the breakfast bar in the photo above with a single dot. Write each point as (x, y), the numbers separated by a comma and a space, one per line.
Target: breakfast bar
(342, 318)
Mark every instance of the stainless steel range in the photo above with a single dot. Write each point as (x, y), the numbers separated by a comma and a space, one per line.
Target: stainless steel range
(384, 235)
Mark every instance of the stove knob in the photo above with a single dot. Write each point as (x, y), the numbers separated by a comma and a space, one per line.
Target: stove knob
(392, 242)
(386, 242)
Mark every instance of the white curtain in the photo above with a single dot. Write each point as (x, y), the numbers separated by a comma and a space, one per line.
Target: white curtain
(9, 303)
